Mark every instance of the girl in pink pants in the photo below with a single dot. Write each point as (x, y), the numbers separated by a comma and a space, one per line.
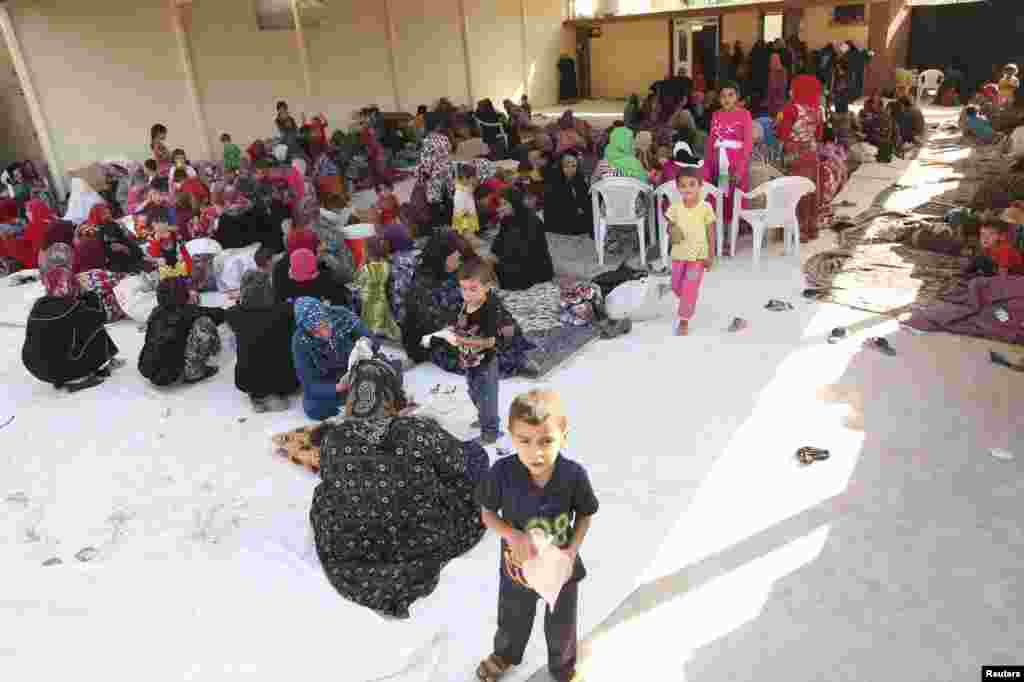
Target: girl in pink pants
(690, 231)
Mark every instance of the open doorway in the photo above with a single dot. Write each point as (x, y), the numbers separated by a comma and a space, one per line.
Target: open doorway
(771, 27)
(695, 47)
(583, 61)
(705, 55)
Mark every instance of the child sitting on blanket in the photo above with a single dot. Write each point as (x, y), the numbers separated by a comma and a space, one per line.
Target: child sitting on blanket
(152, 171)
(977, 126)
(180, 162)
(691, 232)
(999, 254)
(1008, 84)
(465, 220)
(165, 245)
(512, 508)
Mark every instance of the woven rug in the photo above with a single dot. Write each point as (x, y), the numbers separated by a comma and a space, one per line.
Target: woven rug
(557, 346)
(535, 309)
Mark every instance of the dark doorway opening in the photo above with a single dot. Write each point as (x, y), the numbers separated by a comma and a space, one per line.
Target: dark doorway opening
(705, 55)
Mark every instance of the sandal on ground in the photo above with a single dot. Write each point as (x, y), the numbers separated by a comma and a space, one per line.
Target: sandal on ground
(815, 292)
(777, 305)
(999, 359)
(837, 335)
(808, 455)
(738, 324)
(491, 669)
(108, 369)
(880, 344)
(94, 380)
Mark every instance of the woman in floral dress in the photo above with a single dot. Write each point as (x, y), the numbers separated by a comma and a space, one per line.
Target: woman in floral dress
(801, 130)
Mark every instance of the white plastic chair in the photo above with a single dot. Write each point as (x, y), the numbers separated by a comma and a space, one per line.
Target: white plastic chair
(928, 80)
(781, 197)
(671, 191)
(619, 198)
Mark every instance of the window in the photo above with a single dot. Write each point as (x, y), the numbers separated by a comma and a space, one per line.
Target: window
(772, 27)
(848, 15)
(276, 15)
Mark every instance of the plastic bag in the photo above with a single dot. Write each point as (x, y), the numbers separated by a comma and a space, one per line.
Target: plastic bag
(137, 296)
(638, 300)
(548, 571)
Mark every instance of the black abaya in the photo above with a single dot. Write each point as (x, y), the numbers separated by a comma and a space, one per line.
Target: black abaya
(524, 258)
(65, 339)
(568, 208)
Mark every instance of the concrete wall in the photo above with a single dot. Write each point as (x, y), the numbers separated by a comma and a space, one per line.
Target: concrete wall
(742, 26)
(104, 75)
(350, 61)
(496, 49)
(17, 134)
(629, 56)
(546, 41)
(241, 71)
(817, 29)
(430, 58)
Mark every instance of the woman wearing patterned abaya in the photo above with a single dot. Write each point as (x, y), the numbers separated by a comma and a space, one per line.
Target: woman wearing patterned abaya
(396, 499)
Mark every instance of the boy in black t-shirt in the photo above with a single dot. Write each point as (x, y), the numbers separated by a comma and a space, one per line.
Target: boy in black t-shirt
(476, 333)
(537, 490)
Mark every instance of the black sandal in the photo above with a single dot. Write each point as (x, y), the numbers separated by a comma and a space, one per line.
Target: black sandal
(92, 381)
(837, 335)
(880, 344)
(777, 305)
(1003, 361)
(808, 455)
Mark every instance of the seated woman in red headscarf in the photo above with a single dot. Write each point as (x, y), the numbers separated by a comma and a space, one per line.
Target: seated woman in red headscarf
(65, 342)
(20, 251)
(801, 128)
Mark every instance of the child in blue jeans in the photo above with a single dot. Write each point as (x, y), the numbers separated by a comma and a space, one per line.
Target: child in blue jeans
(538, 490)
(476, 333)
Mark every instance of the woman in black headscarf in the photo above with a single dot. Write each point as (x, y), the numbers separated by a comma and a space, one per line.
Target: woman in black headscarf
(521, 247)
(492, 131)
(760, 55)
(568, 208)
(263, 329)
(433, 302)
(437, 266)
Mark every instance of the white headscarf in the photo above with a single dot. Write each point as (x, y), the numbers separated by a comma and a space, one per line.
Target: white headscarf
(83, 198)
(683, 146)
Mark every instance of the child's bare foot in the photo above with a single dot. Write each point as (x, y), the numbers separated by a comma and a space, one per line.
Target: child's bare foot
(683, 328)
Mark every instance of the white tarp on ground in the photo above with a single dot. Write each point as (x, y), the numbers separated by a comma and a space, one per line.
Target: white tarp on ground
(206, 569)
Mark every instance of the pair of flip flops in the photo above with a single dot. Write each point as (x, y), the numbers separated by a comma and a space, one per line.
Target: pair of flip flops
(880, 344)
(777, 305)
(808, 455)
